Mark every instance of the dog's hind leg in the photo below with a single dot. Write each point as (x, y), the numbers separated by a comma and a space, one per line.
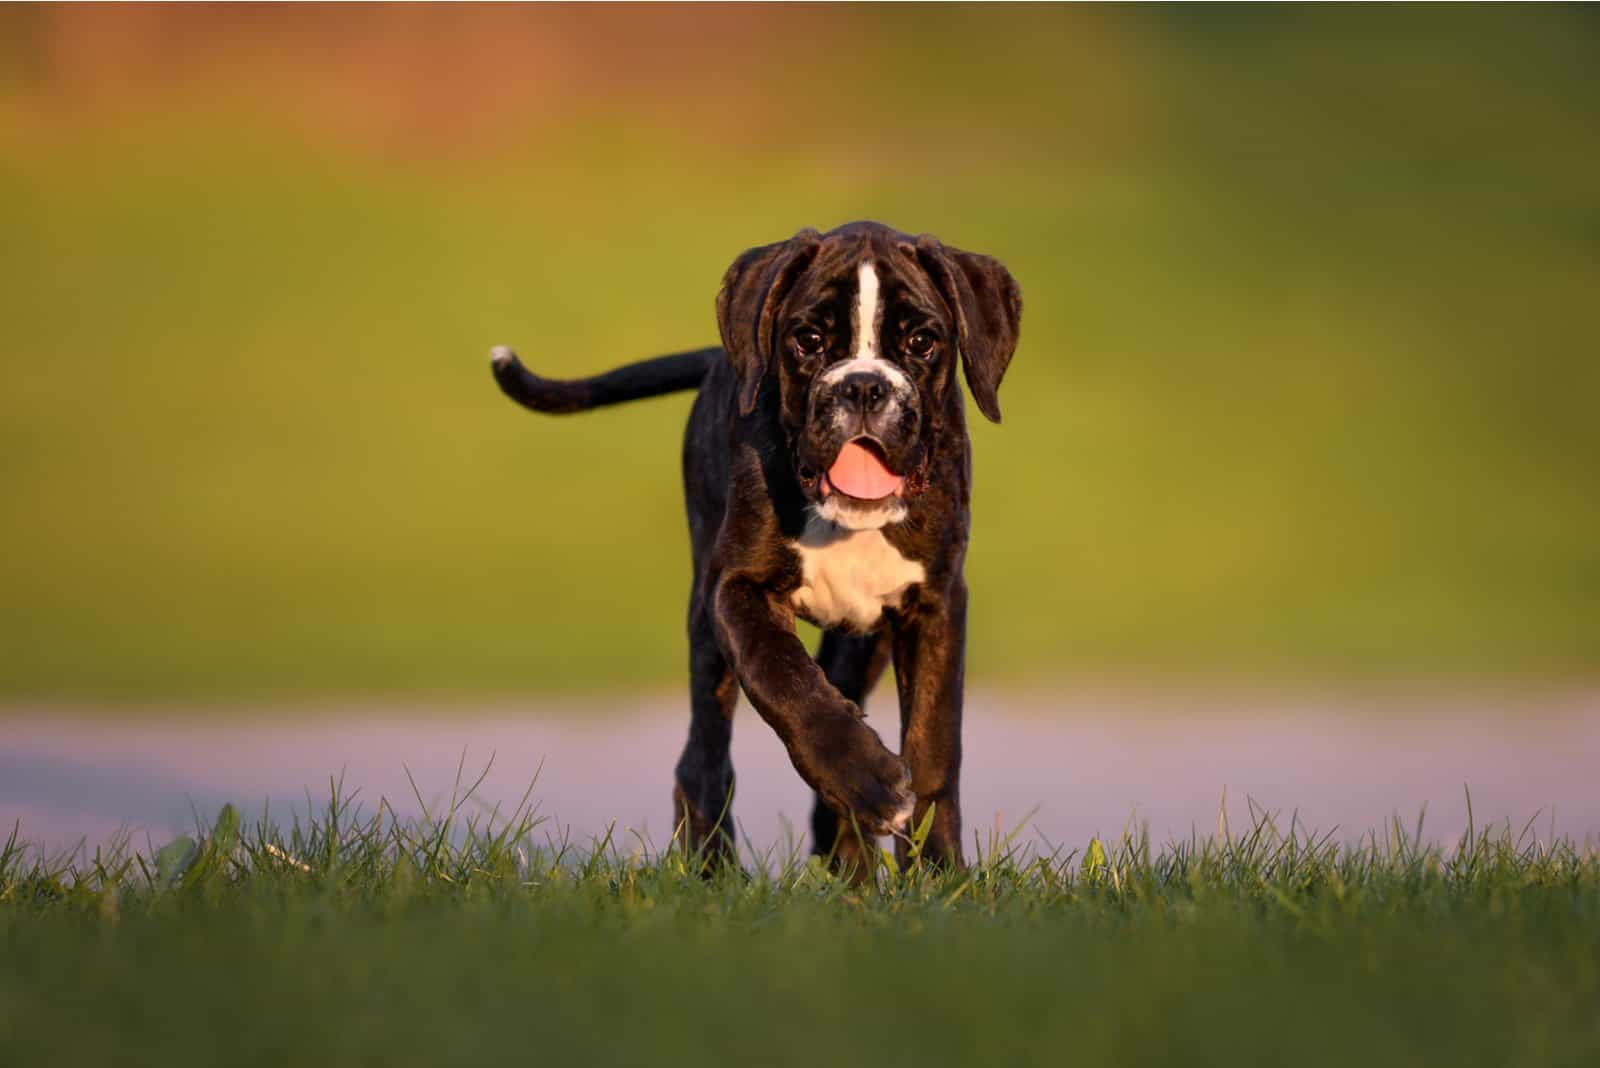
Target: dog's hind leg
(702, 797)
(853, 663)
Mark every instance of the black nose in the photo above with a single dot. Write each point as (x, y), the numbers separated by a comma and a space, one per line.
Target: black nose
(864, 391)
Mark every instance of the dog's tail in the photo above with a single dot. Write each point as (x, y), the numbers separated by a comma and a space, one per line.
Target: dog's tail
(647, 378)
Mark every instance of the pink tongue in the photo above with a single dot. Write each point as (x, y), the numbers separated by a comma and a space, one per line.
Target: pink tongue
(860, 473)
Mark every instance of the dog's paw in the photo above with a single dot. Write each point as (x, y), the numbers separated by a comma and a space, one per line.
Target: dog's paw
(501, 356)
(864, 782)
(902, 815)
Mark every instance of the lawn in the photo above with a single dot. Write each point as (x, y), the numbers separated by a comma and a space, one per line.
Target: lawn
(1306, 386)
(350, 938)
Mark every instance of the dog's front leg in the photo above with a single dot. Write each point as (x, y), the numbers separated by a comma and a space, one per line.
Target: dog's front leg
(832, 747)
(929, 653)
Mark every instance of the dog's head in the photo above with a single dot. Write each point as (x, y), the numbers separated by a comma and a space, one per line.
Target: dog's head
(855, 335)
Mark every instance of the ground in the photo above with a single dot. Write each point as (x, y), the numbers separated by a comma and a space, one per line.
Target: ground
(376, 942)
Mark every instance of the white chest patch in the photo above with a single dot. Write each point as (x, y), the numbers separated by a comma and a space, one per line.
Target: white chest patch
(848, 576)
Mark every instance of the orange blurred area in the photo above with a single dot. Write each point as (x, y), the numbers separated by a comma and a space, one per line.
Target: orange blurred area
(424, 79)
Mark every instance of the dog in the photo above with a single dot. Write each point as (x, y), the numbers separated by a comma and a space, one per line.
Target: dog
(828, 475)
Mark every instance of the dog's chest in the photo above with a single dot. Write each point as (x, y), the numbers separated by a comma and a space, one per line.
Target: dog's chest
(849, 576)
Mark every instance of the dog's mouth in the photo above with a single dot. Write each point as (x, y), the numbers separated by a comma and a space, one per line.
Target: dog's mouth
(861, 472)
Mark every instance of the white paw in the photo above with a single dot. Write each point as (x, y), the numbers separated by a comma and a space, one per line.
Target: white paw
(501, 355)
(902, 816)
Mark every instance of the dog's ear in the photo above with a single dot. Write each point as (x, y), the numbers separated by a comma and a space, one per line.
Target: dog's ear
(751, 292)
(988, 310)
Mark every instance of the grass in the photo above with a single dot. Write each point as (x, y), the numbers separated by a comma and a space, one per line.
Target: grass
(1306, 385)
(358, 938)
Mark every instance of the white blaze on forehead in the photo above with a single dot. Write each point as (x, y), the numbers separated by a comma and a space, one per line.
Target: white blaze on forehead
(866, 311)
(867, 321)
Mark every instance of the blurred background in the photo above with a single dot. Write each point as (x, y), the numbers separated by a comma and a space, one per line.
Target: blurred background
(1306, 394)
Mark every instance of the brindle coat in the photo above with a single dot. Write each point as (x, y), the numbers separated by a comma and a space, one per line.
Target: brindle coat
(763, 431)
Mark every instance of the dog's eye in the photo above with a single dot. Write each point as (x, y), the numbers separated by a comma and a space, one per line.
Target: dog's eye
(808, 342)
(921, 344)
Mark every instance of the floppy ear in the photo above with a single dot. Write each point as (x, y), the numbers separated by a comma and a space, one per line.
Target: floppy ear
(988, 310)
(751, 292)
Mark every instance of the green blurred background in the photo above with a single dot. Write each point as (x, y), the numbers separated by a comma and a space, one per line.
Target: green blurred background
(1307, 388)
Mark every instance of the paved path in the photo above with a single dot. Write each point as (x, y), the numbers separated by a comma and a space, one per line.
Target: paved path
(1089, 763)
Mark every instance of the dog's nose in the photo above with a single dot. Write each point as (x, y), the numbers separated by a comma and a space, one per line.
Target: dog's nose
(865, 392)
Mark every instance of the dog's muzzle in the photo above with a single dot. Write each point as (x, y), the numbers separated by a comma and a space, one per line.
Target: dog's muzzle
(856, 456)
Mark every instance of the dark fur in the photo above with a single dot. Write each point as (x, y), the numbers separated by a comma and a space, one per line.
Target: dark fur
(760, 431)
